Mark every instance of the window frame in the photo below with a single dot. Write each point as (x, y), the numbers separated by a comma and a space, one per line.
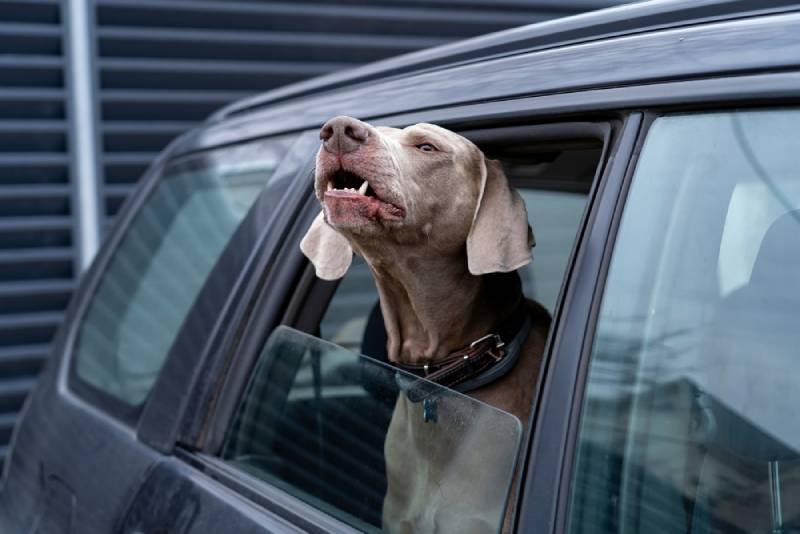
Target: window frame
(259, 212)
(207, 433)
(560, 394)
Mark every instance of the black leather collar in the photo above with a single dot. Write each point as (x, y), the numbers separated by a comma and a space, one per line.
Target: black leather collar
(480, 363)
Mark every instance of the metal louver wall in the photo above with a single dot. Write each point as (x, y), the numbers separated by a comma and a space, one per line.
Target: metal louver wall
(161, 66)
(36, 253)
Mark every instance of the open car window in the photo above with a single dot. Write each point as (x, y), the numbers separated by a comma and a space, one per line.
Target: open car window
(553, 177)
(314, 422)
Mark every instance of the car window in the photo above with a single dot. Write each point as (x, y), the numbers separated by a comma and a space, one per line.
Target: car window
(689, 419)
(553, 180)
(314, 422)
(161, 264)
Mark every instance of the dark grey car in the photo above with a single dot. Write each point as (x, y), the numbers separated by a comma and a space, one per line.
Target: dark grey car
(205, 381)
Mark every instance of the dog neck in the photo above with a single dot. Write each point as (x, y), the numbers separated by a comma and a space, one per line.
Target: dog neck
(433, 306)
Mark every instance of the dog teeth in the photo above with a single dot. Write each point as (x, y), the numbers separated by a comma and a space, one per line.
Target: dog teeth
(330, 186)
(363, 188)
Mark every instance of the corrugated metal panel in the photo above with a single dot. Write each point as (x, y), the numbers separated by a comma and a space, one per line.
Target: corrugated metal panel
(36, 254)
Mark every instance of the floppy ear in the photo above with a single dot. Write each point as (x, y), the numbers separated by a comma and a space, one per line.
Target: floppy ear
(500, 239)
(327, 249)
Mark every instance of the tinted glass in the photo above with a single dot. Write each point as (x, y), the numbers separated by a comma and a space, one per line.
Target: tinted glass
(315, 418)
(689, 422)
(162, 263)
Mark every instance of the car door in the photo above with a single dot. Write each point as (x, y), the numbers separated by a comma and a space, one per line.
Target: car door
(87, 451)
(299, 429)
(684, 417)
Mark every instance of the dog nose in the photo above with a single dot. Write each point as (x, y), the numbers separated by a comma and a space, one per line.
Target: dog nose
(341, 135)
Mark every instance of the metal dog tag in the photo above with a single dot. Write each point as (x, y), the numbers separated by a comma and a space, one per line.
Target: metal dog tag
(430, 410)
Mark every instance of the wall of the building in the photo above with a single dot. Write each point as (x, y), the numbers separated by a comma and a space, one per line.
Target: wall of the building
(158, 68)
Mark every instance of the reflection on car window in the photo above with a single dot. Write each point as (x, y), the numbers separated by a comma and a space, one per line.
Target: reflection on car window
(689, 421)
(161, 265)
(314, 422)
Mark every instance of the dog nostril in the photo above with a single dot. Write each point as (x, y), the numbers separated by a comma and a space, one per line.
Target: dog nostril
(356, 132)
(326, 132)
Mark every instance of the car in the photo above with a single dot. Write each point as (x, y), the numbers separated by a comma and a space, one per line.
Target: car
(206, 381)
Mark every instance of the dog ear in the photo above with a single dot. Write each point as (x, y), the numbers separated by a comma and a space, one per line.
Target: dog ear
(327, 249)
(500, 239)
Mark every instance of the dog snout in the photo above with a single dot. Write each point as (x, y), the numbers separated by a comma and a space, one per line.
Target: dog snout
(341, 135)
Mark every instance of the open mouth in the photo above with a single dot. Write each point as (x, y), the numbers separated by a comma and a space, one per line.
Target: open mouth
(350, 182)
(350, 196)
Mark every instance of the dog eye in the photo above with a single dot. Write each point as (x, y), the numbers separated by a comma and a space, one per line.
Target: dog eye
(427, 147)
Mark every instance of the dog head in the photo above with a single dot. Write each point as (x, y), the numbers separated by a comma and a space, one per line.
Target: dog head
(420, 186)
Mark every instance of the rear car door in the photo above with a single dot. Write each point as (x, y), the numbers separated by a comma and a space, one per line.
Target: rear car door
(90, 434)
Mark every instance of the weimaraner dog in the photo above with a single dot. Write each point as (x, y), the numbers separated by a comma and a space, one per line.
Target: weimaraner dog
(443, 234)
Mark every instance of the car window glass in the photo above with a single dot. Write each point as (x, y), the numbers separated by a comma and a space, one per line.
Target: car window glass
(161, 264)
(553, 180)
(689, 421)
(315, 418)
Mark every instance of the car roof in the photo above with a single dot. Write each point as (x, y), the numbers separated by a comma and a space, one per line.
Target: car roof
(628, 19)
(607, 60)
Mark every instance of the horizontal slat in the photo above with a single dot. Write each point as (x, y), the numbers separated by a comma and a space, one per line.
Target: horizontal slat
(305, 17)
(22, 360)
(27, 126)
(35, 295)
(37, 287)
(118, 190)
(33, 136)
(196, 74)
(42, 39)
(34, 199)
(12, 224)
(219, 68)
(138, 136)
(35, 11)
(13, 393)
(24, 94)
(36, 328)
(34, 191)
(36, 263)
(27, 232)
(142, 158)
(147, 127)
(30, 71)
(252, 45)
(171, 96)
(31, 103)
(126, 168)
(33, 160)
(156, 105)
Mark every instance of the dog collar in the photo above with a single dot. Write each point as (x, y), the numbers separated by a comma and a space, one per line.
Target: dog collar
(480, 363)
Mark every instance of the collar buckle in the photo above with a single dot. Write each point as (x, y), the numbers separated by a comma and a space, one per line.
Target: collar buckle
(498, 342)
